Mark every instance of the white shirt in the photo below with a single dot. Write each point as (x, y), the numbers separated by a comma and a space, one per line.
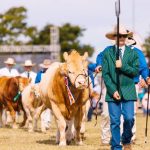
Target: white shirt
(32, 75)
(122, 50)
(9, 73)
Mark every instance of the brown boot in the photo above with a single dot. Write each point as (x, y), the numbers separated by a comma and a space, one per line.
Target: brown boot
(127, 147)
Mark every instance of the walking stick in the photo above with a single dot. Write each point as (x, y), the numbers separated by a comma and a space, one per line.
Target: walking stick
(117, 9)
(146, 129)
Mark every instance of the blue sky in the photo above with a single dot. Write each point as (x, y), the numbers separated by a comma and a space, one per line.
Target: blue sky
(96, 16)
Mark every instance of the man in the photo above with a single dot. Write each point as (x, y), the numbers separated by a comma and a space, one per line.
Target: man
(44, 66)
(28, 73)
(143, 71)
(46, 114)
(9, 70)
(120, 96)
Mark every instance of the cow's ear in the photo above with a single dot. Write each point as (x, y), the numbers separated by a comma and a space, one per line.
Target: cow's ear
(65, 56)
(85, 56)
(63, 69)
(85, 64)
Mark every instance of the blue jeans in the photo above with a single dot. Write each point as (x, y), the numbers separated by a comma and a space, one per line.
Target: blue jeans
(126, 108)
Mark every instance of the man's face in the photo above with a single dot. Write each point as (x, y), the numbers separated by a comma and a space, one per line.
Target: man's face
(44, 69)
(28, 68)
(9, 65)
(122, 39)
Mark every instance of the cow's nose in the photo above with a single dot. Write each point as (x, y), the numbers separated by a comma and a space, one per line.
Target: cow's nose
(81, 82)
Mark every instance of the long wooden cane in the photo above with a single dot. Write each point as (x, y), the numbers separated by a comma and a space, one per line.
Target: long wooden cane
(147, 113)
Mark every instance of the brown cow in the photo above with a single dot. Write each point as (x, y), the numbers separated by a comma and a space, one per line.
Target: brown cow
(10, 89)
(55, 92)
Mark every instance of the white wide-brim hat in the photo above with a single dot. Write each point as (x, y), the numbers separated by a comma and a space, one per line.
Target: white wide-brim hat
(122, 30)
(46, 63)
(28, 63)
(10, 61)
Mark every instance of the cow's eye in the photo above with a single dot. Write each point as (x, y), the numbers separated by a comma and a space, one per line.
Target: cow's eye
(70, 72)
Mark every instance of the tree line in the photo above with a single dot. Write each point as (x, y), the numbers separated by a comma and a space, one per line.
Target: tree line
(14, 30)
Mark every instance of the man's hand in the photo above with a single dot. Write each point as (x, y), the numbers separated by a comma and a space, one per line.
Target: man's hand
(116, 96)
(118, 63)
(142, 83)
(98, 69)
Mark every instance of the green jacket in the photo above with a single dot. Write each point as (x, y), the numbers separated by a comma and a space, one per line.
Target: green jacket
(129, 69)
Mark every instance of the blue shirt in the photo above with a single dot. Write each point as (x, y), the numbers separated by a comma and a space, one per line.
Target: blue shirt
(143, 68)
(38, 76)
(91, 68)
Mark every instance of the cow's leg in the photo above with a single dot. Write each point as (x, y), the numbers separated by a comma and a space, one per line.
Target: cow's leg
(57, 136)
(1, 110)
(24, 119)
(24, 115)
(82, 130)
(29, 121)
(4, 116)
(77, 125)
(13, 115)
(61, 123)
(37, 114)
(69, 132)
(8, 118)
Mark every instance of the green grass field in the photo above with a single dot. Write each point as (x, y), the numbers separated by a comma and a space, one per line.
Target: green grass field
(20, 139)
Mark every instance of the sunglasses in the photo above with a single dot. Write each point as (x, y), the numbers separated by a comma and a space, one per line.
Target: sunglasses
(121, 35)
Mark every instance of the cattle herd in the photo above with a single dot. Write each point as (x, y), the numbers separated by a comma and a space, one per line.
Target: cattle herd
(64, 89)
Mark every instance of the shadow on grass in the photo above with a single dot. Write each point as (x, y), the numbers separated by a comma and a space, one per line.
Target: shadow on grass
(51, 141)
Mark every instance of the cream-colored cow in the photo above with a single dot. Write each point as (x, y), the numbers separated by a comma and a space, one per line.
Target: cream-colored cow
(57, 94)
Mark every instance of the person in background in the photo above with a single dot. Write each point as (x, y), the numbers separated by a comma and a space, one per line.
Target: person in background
(144, 104)
(9, 69)
(46, 114)
(105, 121)
(44, 66)
(89, 103)
(141, 93)
(143, 73)
(28, 73)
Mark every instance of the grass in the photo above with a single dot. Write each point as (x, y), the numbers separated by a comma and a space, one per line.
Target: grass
(20, 139)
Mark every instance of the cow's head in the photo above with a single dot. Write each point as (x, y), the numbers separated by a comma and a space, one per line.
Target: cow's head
(75, 68)
(23, 82)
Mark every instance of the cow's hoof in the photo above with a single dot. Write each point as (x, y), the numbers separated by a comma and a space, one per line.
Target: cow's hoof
(15, 126)
(31, 130)
(83, 137)
(57, 142)
(79, 143)
(22, 125)
(63, 143)
(69, 142)
(43, 130)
